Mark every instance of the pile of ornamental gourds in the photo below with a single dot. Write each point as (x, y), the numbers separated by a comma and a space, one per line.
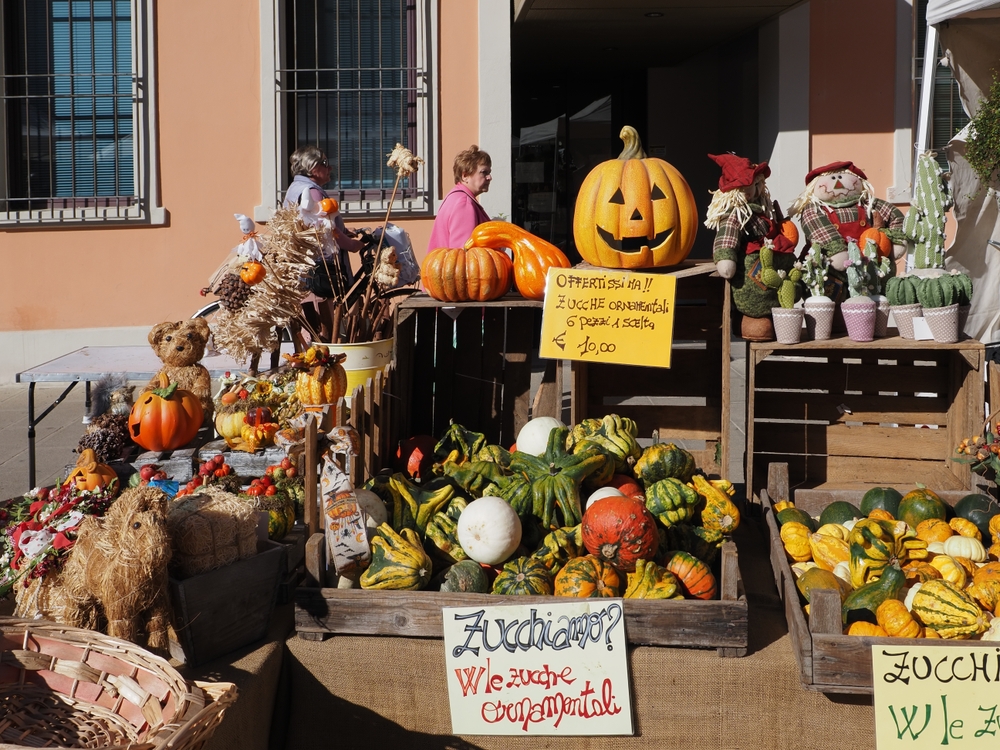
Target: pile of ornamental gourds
(905, 566)
(581, 512)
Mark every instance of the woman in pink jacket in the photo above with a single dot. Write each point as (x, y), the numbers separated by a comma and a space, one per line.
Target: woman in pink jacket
(460, 211)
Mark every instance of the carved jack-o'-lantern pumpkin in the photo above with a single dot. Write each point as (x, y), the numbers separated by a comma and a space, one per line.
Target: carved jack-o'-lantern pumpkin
(634, 211)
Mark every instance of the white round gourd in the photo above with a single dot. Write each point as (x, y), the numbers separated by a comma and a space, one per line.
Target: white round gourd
(603, 492)
(964, 546)
(489, 530)
(533, 438)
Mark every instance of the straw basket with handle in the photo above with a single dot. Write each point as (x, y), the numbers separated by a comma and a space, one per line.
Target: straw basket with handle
(68, 687)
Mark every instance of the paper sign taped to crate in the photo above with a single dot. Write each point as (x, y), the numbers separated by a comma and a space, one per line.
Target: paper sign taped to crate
(610, 316)
(936, 696)
(557, 668)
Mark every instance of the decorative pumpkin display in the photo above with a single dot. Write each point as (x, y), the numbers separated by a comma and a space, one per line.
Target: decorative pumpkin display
(671, 501)
(895, 619)
(90, 474)
(256, 432)
(252, 272)
(652, 581)
(947, 610)
(165, 418)
(664, 460)
(533, 256)
(620, 531)
(474, 274)
(321, 378)
(548, 486)
(466, 576)
(524, 576)
(614, 435)
(587, 577)
(489, 530)
(919, 505)
(719, 512)
(398, 562)
(229, 425)
(634, 212)
(533, 438)
(694, 576)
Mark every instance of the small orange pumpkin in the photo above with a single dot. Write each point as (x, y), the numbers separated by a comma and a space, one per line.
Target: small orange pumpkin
(474, 274)
(165, 418)
(881, 240)
(695, 576)
(587, 577)
(253, 272)
(90, 474)
(933, 530)
(790, 231)
(329, 205)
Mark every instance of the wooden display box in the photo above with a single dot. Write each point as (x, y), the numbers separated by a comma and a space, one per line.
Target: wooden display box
(829, 661)
(220, 611)
(721, 624)
(687, 403)
(851, 415)
(465, 361)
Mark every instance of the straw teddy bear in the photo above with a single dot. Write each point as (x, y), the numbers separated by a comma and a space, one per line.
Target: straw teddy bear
(181, 345)
(115, 577)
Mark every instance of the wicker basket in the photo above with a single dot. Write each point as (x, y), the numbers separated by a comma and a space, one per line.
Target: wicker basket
(73, 688)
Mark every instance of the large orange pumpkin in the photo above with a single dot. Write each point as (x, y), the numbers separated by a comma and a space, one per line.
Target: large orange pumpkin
(457, 274)
(634, 211)
(165, 418)
(620, 530)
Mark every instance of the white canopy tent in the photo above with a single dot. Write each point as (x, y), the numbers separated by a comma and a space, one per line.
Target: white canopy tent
(969, 33)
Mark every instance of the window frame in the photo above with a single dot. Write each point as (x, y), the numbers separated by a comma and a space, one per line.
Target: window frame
(419, 200)
(104, 212)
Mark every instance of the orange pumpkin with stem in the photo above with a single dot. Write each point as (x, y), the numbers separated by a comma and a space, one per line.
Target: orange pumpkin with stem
(90, 474)
(881, 240)
(165, 418)
(472, 274)
(252, 272)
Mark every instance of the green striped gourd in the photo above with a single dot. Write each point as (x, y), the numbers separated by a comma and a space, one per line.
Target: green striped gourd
(950, 612)
(442, 534)
(664, 460)
(524, 576)
(398, 561)
(671, 501)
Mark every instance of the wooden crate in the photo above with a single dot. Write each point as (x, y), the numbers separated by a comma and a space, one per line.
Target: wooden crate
(721, 624)
(467, 362)
(222, 610)
(687, 403)
(850, 415)
(829, 662)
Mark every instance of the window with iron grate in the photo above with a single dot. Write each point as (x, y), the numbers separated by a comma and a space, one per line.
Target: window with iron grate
(354, 83)
(73, 104)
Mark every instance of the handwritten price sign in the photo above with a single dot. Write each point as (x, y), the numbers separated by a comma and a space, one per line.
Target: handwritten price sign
(936, 696)
(556, 669)
(608, 316)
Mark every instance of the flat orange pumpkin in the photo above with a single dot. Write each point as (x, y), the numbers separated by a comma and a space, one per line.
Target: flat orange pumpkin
(634, 211)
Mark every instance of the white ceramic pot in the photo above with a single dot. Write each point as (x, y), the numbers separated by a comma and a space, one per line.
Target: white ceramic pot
(819, 317)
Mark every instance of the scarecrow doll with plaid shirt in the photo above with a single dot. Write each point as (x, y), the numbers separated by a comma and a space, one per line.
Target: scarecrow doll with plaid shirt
(839, 204)
(746, 220)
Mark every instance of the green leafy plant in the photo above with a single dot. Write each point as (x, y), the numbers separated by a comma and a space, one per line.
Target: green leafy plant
(982, 150)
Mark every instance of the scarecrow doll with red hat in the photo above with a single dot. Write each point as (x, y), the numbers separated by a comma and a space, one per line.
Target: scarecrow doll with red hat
(745, 220)
(838, 205)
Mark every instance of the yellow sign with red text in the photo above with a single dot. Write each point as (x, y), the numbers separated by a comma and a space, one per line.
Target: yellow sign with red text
(614, 317)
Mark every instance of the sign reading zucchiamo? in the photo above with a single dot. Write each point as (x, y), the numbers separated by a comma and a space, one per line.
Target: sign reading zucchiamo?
(615, 317)
(558, 668)
(936, 696)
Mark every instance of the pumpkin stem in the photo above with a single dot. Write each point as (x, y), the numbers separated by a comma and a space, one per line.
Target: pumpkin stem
(166, 392)
(633, 146)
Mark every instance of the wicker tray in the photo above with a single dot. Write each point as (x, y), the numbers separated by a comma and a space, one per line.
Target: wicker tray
(72, 688)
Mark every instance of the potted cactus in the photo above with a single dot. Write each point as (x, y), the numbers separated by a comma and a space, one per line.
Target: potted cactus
(860, 308)
(819, 308)
(901, 291)
(938, 291)
(787, 319)
(881, 269)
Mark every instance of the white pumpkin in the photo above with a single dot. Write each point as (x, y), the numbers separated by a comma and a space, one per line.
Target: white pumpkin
(489, 530)
(533, 438)
(912, 592)
(603, 492)
(965, 546)
(375, 511)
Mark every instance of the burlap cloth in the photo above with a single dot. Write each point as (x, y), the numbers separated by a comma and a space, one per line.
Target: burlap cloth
(356, 692)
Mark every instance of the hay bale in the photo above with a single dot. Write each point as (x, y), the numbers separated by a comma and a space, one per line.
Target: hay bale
(210, 529)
